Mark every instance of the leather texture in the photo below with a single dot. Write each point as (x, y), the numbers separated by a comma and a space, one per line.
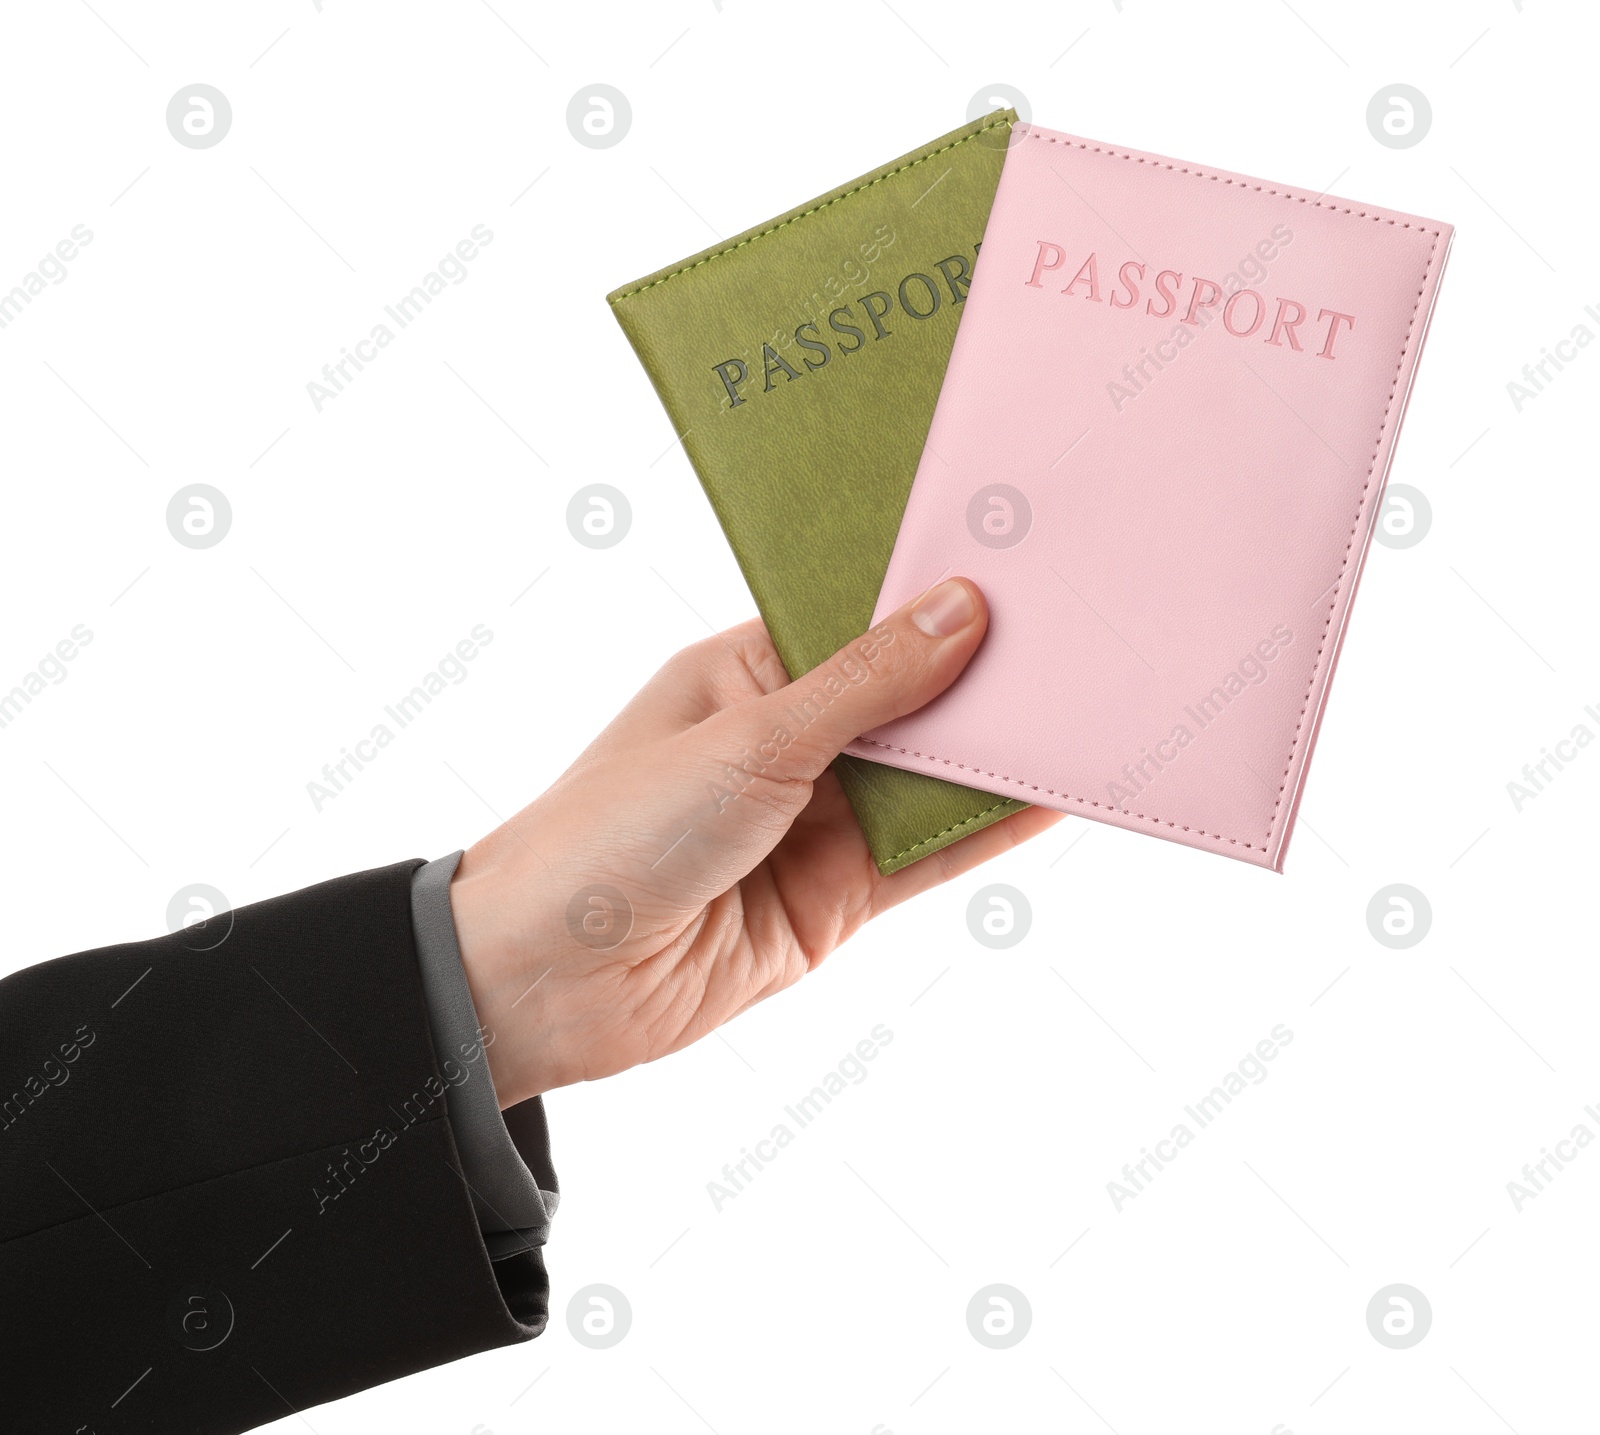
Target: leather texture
(1187, 477)
(800, 363)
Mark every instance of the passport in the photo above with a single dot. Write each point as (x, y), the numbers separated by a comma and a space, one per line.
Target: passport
(799, 362)
(1160, 450)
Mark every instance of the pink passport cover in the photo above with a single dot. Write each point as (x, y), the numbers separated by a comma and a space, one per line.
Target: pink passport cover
(1160, 448)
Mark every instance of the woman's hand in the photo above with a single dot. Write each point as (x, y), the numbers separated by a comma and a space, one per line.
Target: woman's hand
(699, 855)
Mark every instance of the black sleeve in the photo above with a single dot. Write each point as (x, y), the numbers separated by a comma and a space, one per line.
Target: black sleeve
(228, 1184)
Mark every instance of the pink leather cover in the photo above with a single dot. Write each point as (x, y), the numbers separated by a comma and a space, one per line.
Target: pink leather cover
(1159, 448)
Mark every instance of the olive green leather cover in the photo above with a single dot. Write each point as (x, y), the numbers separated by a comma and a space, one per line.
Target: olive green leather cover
(800, 363)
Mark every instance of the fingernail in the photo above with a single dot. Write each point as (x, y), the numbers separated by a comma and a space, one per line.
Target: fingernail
(944, 609)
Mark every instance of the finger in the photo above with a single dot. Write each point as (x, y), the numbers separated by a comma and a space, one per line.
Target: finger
(731, 666)
(897, 666)
(695, 682)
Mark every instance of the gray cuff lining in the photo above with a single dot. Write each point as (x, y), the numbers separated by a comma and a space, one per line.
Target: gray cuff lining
(496, 1151)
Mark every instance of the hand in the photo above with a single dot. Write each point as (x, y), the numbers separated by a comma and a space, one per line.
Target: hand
(730, 860)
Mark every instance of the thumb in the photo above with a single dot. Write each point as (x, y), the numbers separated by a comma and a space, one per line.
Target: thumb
(908, 659)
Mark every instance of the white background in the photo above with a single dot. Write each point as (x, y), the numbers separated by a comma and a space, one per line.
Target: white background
(369, 538)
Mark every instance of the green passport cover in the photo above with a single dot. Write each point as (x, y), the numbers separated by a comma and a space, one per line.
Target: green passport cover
(800, 363)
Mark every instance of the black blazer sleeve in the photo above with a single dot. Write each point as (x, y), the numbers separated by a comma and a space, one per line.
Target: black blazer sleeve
(228, 1184)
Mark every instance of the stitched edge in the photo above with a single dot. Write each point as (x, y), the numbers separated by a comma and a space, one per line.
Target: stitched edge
(1361, 503)
(1006, 802)
(806, 214)
(1070, 797)
(1289, 194)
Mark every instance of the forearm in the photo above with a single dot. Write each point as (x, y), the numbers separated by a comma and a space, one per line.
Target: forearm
(256, 1112)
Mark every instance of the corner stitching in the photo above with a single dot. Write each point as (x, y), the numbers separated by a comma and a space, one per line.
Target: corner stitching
(963, 823)
(806, 214)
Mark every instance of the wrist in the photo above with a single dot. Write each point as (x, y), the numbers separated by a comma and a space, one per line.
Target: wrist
(514, 984)
(503, 993)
